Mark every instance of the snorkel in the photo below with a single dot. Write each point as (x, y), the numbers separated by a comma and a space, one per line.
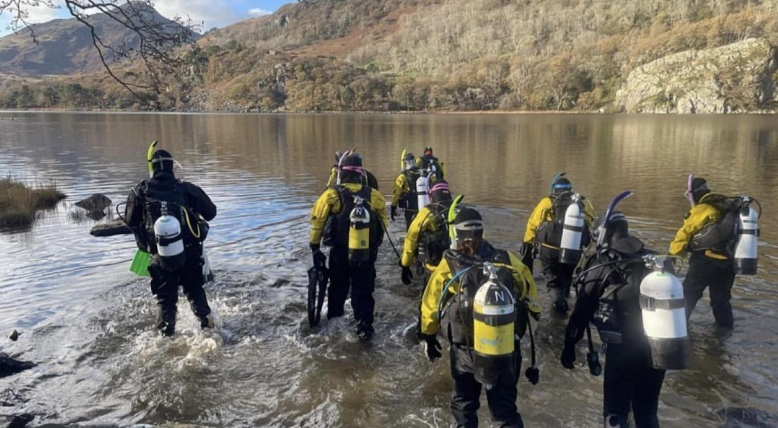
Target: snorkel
(604, 226)
(340, 162)
(690, 190)
(149, 155)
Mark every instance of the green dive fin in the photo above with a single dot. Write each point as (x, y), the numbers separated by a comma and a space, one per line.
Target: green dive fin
(452, 214)
(140, 263)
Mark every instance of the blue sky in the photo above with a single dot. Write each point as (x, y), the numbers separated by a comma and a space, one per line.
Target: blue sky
(214, 13)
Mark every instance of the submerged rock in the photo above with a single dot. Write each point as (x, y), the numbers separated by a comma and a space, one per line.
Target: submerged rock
(113, 228)
(14, 335)
(21, 421)
(729, 79)
(96, 202)
(10, 366)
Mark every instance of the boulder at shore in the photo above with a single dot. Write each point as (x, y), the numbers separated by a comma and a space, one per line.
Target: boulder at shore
(113, 228)
(10, 366)
(734, 78)
(96, 202)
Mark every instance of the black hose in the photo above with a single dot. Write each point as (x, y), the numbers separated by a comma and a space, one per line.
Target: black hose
(386, 231)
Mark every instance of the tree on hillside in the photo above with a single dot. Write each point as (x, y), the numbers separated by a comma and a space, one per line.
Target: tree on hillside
(158, 40)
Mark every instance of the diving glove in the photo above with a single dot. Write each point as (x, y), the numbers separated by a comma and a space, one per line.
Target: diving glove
(393, 212)
(407, 276)
(319, 259)
(568, 357)
(431, 346)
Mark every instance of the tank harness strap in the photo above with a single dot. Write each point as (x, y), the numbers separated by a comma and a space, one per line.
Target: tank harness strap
(445, 293)
(573, 228)
(651, 304)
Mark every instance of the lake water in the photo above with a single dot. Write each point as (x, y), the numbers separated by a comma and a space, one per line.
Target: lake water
(88, 322)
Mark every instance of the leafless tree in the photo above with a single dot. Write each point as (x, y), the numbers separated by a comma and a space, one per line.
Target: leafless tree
(157, 49)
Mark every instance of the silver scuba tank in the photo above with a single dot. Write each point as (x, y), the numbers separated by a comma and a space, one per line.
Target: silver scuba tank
(570, 247)
(169, 240)
(421, 191)
(747, 249)
(663, 310)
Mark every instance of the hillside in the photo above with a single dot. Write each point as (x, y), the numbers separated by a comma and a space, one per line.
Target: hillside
(65, 46)
(422, 55)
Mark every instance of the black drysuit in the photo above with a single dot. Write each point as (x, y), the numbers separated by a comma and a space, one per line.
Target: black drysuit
(631, 384)
(165, 283)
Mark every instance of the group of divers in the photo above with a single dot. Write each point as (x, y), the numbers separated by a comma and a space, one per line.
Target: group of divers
(481, 299)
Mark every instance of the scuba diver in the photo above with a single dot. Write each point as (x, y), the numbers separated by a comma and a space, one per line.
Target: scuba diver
(610, 297)
(484, 347)
(161, 212)
(332, 181)
(544, 236)
(712, 232)
(350, 219)
(429, 163)
(404, 192)
(428, 235)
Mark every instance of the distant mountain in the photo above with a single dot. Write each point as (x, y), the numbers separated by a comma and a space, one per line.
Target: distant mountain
(65, 45)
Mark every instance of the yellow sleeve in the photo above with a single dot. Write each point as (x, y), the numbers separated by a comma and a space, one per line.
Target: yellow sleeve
(378, 203)
(333, 178)
(696, 219)
(529, 294)
(328, 203)
(399, 187)
(430, 324)
(535, 219)
(420, 222)
(589, 212)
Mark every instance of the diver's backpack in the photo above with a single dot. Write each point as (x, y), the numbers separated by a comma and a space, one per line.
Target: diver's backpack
(550, 231)
(433, 244)
(408, 199)
(336, 229)
(720, 236)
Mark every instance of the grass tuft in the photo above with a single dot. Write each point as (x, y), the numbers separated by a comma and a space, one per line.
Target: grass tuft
(19, 202)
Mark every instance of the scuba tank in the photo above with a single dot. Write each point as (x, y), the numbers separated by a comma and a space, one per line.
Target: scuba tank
(421, 191)
(664, 318)
(746, 252)
(494, 315)
(359, 233)
(170, 241)
(571, 234)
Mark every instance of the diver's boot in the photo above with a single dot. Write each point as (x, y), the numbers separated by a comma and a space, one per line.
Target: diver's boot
(723, 315)
(166, 321)
(616, 421)
(365, 333)
(559, 303)
(207, 322)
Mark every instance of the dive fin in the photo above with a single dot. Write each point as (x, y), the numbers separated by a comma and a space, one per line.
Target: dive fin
(402, 159)
(149, 154)
(140, 263)
(312, 280)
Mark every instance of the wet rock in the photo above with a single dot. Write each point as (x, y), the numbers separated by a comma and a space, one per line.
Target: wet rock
(734, 416)
(14, 335)
(21, 421)
(96, 202)
(729, 79)
(113, 228)
(10, 366)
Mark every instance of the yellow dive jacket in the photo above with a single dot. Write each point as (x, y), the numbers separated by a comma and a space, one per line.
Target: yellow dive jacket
(422, 223)
(696, 219)
(430, 324)
(542, 214)
(401, 187)
(329, 204)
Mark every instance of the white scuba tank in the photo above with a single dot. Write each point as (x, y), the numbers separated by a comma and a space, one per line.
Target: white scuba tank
(664, 319)
(746, 252)
(421, 191)
(169, 239)
(570, 247)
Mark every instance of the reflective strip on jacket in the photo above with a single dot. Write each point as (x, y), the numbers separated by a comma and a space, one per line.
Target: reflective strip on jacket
(329, 204)
(430, 324)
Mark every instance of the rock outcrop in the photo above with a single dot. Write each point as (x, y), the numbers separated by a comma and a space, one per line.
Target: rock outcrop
(10, 366)
(96, 202)
(730, 79)
(110, 229)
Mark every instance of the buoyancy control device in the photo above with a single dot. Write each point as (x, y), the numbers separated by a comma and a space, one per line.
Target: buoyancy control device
(359, 233)
(572, 233)
(494, 316)
(663, 311)
(169, 240)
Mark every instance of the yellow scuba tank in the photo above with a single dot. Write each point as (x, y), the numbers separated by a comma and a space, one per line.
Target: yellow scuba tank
(494, 315)
(359, 233)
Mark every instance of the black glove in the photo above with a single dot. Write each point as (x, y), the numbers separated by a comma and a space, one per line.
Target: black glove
(431, 346)
(407, 275)
(526, 255)
(568, 357)
(393, 212)
(319, 259)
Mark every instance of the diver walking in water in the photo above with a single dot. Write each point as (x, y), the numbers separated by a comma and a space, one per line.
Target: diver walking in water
(350, 218)
(544, 236)
(712, 232)
(610, 296)
(404, 192)
(485, 298)
(169, 220)
(429, 163)
(332, 180)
